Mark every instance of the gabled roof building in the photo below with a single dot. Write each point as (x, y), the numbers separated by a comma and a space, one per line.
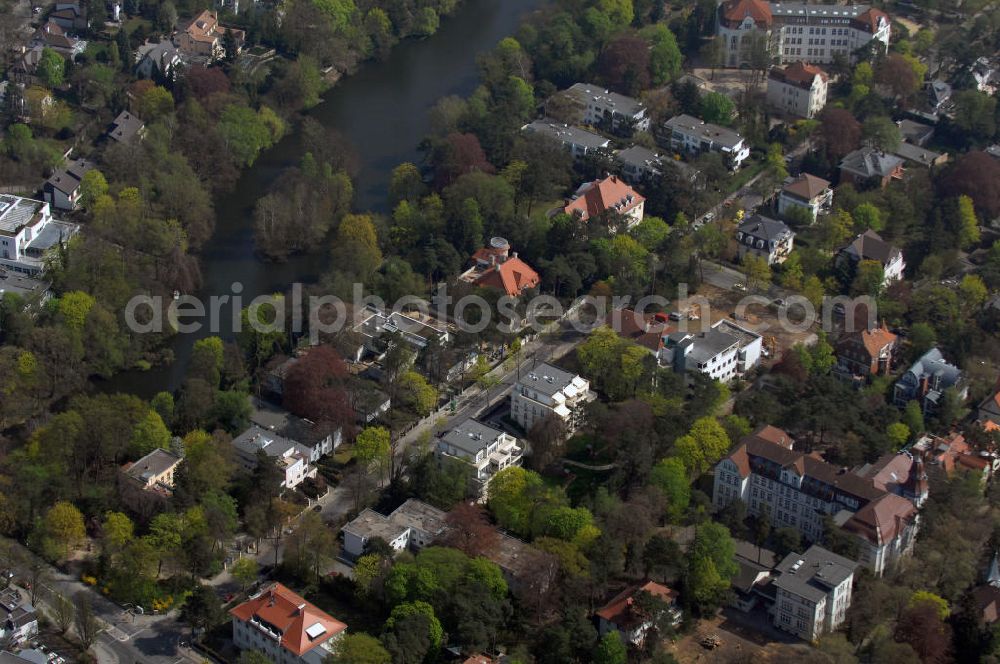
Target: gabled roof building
(610, 196)
(625, 613)
(869, 246)
(800, 490)
(795, 32)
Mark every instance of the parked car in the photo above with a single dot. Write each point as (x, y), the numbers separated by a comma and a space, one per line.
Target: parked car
(740, 286)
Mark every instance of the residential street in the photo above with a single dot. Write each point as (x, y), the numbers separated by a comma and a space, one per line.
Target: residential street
(127, 638)
(558, 339)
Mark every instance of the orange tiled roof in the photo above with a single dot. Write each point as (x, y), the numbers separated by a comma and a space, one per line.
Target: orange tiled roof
(737, 10)
(871, 18)
(512, 276)
(618, 610)
(877, 339)
(602, 195)
(882, 519)
(773, 434)
(293, 617)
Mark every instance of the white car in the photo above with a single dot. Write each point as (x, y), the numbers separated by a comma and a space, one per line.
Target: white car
(739, 285)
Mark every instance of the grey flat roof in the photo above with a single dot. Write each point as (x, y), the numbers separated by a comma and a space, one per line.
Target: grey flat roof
(567, 133)
(19, 284)
(710, 343)
(691, 125)
(15, 212)
(52, 234)
(813, 573)
(471, 436)
(273, 418)
(156, 462)
(917, 154)
(411, 514)
(258, 438)
(621, 103)
(640, 157)
(547, 379)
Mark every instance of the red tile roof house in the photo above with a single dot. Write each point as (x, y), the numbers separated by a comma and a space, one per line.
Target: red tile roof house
(496, 266)
(954, 453)
(204, 37)
(285, 627)
(866, 352)
(624, 612)
(989, 408)
(610, 196)
(799, 490)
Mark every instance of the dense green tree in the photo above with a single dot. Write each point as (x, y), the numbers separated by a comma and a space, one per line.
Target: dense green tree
(51, 68)
(359, 648)
(611, 649)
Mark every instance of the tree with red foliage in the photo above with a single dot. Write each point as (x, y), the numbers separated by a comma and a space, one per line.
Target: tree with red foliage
(896, 73)
(624, 64)
(977, 175)
(457, 155)
(315, 388)
(840, 132)
(921, 626)
(469, 530)
(206, 81)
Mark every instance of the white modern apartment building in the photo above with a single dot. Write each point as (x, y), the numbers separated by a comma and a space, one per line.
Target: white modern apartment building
(604, 108)
(291, 458)
(578, 141)
(725, 351)
(286, 628)
(28, 232)
(794, 32)
(798, 89)
(813, 592)
(798, 490)
(485, 450)
(689, 134)
(412, 525)
(548, 391)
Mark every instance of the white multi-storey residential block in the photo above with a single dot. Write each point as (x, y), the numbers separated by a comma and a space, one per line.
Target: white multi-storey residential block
(547, 391)
(485, 450)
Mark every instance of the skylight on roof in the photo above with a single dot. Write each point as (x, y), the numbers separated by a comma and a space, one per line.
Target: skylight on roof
(315, 630)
